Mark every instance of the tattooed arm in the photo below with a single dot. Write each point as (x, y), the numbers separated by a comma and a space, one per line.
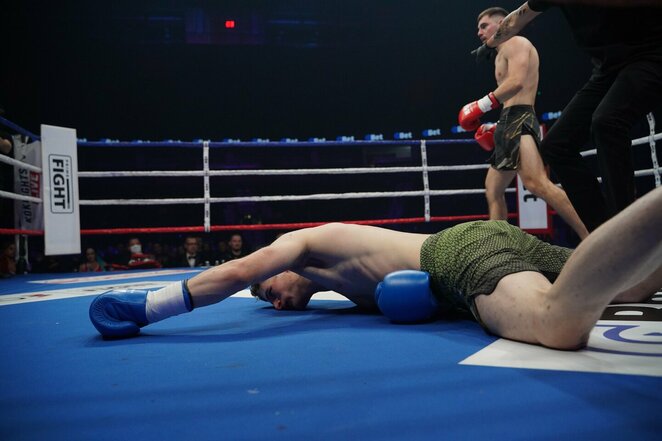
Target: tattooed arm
(611, 3)
(512, 25)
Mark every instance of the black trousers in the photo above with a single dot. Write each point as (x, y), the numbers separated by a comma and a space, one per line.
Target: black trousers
(603, 111)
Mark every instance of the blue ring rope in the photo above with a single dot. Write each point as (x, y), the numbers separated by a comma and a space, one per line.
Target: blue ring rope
(233, 144)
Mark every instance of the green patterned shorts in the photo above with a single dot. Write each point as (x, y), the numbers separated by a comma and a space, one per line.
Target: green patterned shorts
(514, 122)
(471, 258)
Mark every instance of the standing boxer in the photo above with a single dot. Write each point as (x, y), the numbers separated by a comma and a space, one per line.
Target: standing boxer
(624, 40)
(515, 138)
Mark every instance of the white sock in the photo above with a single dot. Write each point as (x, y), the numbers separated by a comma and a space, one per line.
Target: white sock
(166, 302)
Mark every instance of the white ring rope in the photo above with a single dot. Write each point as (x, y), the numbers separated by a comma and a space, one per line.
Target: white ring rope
(17, 163)
(650, 139)
(19, 197)
(651, 142)
(206, 173)
(283, 172)
(307, 197)
(207, 192)
(426, 181)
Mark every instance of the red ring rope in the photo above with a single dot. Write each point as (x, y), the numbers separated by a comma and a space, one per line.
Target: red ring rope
(256, 227)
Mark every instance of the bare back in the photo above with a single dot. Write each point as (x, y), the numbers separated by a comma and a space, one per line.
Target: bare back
(348, 259)
(516, 71)
(352, 259)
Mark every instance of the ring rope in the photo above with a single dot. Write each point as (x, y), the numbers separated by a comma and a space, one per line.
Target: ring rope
(277, 172)
(207, 193)
(206, 173)
(645, 139)
(263, 144)
(19, 197)
(16, 163)
(426, 181)
(257, 227)
(307, 197)
(18, 129)
(651, 142)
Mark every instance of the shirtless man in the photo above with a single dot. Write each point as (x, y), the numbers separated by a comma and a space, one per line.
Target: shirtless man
(505, 277)
(623, 39)
(515, 138)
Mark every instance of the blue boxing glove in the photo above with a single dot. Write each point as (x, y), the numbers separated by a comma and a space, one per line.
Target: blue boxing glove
(121, 313)
(405, 297)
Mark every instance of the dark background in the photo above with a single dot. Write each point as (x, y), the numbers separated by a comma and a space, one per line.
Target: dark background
(289, 68)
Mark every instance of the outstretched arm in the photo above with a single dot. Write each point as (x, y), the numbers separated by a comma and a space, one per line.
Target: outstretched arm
(221, 282)
(512, 24)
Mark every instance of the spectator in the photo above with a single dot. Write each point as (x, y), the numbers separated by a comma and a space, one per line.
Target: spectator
(160, 255)
(191, 257)
(8, 260)
(236, 248)
(92, 262)
(136, 258)
(222, 251)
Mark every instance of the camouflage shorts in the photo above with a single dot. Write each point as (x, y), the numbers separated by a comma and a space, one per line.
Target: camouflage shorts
(471, 258)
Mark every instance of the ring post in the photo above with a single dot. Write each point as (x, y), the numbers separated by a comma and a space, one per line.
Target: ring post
(59, 158)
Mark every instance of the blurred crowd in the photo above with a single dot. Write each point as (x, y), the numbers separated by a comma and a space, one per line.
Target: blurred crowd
(134, 252)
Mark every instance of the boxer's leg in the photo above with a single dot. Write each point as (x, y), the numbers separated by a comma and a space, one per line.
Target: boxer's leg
(534, 177)
(623, 253)
(496, 182)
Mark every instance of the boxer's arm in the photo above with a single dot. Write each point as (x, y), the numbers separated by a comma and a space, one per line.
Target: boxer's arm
(220, 282)
(517, 54)
(610, 3)
(512, 24)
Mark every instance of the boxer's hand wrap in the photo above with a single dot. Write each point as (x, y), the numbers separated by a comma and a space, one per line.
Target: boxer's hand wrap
(405, 297)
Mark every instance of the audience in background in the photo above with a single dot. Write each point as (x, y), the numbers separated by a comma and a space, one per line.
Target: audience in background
(92, 262)
(8, 260)
(236, 249)
(107, 254)
(191, 256)
(160, 254)
(136, 258)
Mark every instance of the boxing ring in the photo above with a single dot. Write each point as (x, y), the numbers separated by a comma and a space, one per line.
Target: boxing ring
(242, 370)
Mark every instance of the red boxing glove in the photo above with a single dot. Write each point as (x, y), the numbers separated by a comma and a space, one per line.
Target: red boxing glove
(469, 117)
(485, 136)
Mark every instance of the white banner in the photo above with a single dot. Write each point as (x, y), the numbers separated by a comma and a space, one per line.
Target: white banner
(27, 215)
(532, 210)
(59, 158)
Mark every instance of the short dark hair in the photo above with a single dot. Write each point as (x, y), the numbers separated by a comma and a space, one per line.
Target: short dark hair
(495, 10)
(255, 290)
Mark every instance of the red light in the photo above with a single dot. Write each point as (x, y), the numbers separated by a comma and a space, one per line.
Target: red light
(229, 24)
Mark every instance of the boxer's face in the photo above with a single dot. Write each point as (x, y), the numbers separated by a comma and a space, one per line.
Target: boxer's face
(285, 291)
(487, 26)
